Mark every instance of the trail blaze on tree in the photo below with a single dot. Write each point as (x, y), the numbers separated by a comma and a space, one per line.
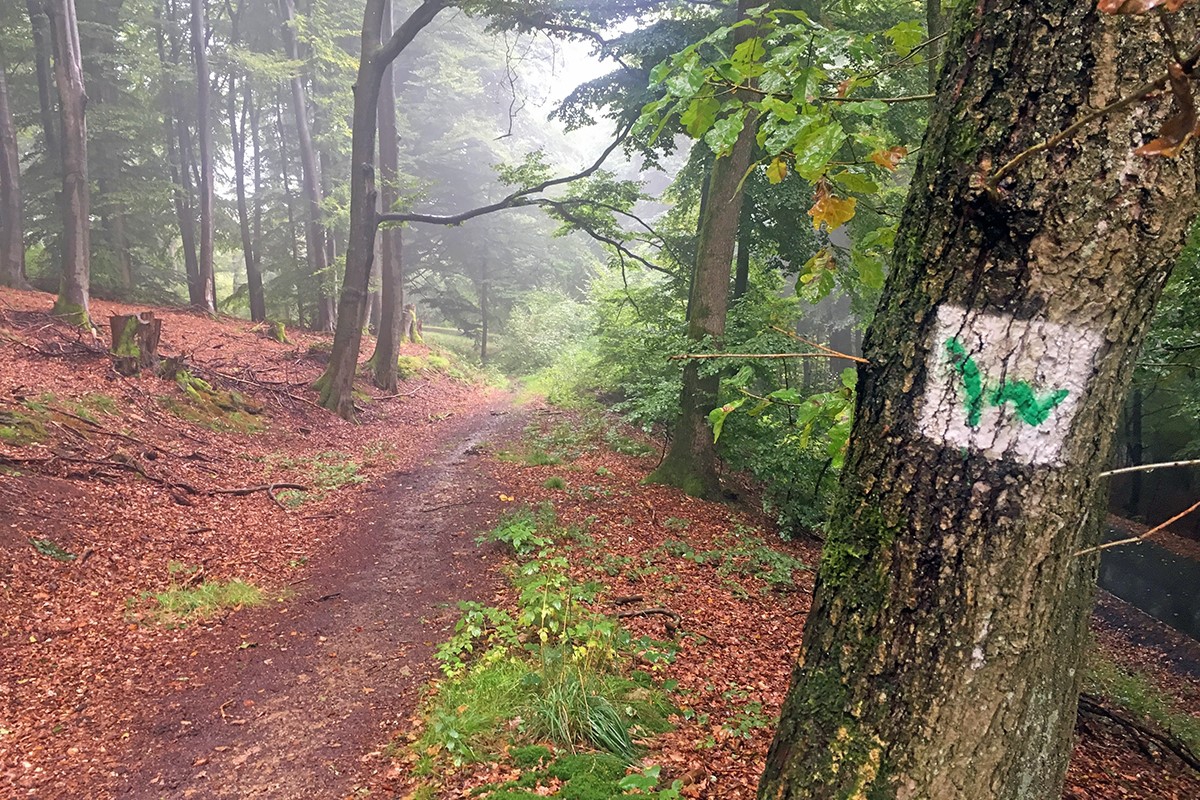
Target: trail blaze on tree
(941, 658)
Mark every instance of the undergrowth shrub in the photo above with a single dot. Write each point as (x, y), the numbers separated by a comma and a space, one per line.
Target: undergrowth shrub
(553, 670)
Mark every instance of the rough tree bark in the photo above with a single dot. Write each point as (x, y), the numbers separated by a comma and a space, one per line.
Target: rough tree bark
(387, 342)
(336, 383)
(941, 657)
(314, 229)
(12, 229)
(72, 302)
(203, 296)
(691, 462)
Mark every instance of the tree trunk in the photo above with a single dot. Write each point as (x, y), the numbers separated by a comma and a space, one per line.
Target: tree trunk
(691, 463)
(205, 298)
(12, 229)
(1136, 450)
(314, 229)
(257, 295)
(238, 124)
(40, 23)
(134, 341)
(290, 203)
(337, 382)
(387, 341)
(177, 146)
(483, 312)
(72, 302)
(935, 25)
(942, 655)
(741, 272)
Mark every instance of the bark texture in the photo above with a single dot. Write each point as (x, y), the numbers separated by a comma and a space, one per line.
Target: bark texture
(941, 658)
(691, 462)
(12, 228)
(72, 302)
(336, 383)
(387, 343)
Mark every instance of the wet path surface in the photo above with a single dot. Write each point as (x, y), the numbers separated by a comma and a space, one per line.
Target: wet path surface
(295, 701)
(1164, 585)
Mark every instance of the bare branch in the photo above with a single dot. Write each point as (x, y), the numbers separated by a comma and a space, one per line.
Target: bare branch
(519, 198)
(1144, 536)
(767, 355)
(1150, 467)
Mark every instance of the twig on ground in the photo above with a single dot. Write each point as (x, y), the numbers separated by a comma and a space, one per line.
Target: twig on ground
(1094, 705)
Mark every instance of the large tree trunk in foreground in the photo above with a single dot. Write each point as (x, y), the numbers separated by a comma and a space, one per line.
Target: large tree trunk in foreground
(942, 655)
(387, 342)
(691, 463)
(336, 383)
(72, 302)
(12, 229)
(204, 296)
(314, 229)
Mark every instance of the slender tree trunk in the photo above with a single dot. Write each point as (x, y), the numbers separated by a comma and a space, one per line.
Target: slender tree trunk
(39, 22)
(178, 149)
(390, 333)
(935, 24)
(691, 462)
(72, 302)
(1136, 450)
(205, 299)
(337, 382)
(314, 230)
(12, 214)
(942, 655)
(290, 202)
(741, 272)
(483, 311)
(257, 293)
(238, 122)
(113, 220)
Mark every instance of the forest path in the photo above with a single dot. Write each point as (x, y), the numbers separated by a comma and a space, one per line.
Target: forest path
(293, 701)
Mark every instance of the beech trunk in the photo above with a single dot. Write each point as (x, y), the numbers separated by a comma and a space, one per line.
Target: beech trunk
(942, 655)
(12, 229)
(387, 342)
(205, 295)
(691, 462)
(72, 302)
(336, 383)
(310, 181)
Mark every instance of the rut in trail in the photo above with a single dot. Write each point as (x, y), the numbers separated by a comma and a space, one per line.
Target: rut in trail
(294, 702)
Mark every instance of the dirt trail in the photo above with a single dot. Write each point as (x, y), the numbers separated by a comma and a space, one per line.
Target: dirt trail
(294, 701)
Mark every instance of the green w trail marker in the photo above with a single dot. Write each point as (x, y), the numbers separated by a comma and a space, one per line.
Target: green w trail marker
(1031, 408)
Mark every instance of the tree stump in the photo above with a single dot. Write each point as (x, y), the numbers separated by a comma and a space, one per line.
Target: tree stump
(134, 341)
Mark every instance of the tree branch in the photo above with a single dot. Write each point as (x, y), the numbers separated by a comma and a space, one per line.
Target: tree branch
(517, 199)
(403, 36)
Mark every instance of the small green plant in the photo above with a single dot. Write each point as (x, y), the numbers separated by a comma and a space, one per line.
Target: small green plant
(48, 548)
(676, 524)
(323, 473)
(409, 367)
(603, 472)
(555, 482)
(552, 671)
(215, 409)
(19, 429)
(187, 598)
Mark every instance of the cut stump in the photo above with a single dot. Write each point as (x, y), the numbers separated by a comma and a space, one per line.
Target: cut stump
(134, 341)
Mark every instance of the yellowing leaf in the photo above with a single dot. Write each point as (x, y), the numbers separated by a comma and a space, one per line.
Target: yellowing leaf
(777, 170)
(830, 210)
(889, 158)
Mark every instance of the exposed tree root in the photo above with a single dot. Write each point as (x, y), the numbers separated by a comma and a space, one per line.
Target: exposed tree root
(1091, 704)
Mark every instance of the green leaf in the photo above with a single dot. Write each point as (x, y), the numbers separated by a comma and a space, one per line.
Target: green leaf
(724, 133)
(779, 108)
(717, 416)
(854, 182)
(869, 267)
(866, 108)
(850, 377)
(905, 36)
(815, 148)
(688, 80)
(700, 116)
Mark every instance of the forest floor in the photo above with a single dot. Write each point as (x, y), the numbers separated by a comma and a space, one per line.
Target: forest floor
(109, 497)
